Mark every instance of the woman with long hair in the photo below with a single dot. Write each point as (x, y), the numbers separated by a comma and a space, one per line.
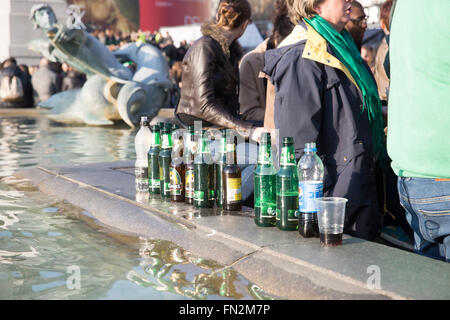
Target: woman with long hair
(210, 76)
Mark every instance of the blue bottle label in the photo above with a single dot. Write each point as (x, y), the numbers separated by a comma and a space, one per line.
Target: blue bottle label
(308, 192)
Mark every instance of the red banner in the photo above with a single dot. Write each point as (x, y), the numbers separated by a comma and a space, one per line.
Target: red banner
(164, 13)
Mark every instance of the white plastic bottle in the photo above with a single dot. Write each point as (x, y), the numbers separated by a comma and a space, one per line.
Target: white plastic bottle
(142, 142)
(310, 186)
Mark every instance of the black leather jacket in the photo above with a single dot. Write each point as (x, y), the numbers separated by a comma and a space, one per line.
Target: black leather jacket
(210, 83)
(27, 100)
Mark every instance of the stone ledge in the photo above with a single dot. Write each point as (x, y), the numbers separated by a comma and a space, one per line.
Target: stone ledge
(281, 263)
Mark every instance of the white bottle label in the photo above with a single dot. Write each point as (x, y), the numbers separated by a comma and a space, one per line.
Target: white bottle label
(308, 192)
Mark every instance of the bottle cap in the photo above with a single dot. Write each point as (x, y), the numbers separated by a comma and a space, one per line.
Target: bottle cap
(155, 128)
(288, 140)
(310, 146)
(144, 120)
(191, 129)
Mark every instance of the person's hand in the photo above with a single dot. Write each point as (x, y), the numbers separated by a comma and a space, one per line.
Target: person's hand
(256, 133)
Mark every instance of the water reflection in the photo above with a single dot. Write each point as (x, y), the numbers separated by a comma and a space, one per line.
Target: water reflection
(28, 142)
(167, 267)
(156, 202)
(42, 239)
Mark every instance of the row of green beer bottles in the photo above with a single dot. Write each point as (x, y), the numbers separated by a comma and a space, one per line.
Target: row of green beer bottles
(188, 174)
(159, 159)
(218, 182)
(276, 193)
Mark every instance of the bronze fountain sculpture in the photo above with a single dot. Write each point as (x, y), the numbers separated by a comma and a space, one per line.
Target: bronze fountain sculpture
(112, 91)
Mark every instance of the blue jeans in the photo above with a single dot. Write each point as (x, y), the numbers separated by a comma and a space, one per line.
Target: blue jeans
(427, 204)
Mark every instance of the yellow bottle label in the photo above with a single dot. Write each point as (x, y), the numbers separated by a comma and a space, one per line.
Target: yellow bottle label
(189, 183)
(234, 192)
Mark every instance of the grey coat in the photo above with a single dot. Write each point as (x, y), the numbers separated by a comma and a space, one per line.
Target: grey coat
(46, 83)
(317, 102)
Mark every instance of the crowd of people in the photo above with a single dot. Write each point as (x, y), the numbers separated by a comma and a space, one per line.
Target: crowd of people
(314, 80)
(23, 86)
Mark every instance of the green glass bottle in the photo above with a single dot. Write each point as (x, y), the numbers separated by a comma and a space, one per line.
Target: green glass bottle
(190, 148)
(161, 126)
(265, 185)
(165, 157)
(287, 188)
(218, 168)
(232, 180)
(203, 175)
(153, 161)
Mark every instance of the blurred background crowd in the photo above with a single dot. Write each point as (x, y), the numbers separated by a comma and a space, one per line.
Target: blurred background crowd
(24, 86)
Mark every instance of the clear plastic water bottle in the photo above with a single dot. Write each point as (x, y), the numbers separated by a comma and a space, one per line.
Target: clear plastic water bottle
(142, 142)
(310, 187)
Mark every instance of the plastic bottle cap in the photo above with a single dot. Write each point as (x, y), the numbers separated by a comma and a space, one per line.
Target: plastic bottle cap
(310, 146)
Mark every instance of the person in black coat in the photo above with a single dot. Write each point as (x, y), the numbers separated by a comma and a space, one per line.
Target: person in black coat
(8, 70)
(210, 75)
(318, 100)
(72, 79)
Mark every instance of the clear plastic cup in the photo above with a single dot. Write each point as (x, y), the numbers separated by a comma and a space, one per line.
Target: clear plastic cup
(331, 215)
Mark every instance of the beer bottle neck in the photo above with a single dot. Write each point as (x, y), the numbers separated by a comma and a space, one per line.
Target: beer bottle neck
(231, 154)
(204, 145)
(287, 156)
(156, 139)
(223, 145)
(192, 143)
(265, 154)
(167, 141)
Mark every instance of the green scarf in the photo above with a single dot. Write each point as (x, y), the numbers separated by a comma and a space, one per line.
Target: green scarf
(345, 50)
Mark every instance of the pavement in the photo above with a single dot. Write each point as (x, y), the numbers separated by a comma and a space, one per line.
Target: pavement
(281, 263)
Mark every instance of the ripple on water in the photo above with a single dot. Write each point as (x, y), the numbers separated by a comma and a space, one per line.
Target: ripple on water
(42, 246)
